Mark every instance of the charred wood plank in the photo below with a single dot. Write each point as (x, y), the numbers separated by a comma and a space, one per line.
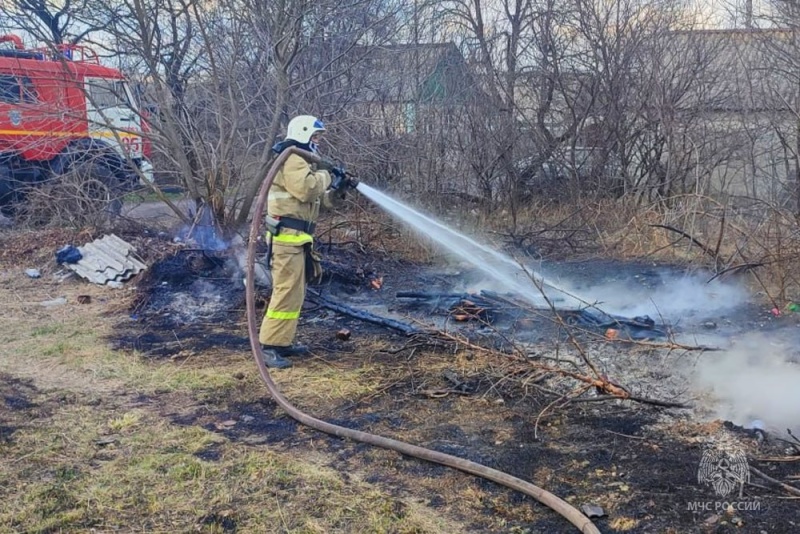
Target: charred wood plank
(445, 300)
(512, 301)
(430, 295)
(508, 300)
(362, 315)
(635, 328)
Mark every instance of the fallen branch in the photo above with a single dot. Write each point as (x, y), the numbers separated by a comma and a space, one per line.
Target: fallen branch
(446, 301)
(601, 383)
(671, 345)
(691, 238)
(409, 345)
(656, 402)
(641, 400)
(440, 393)
(362, 315)
(425, 295)
(741, 267)
(614, 391)
(786, 487)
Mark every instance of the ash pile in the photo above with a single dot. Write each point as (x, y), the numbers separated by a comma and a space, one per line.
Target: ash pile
(186, 303)
(192, 287)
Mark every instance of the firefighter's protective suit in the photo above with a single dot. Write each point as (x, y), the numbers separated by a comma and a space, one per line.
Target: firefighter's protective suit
(296, 194)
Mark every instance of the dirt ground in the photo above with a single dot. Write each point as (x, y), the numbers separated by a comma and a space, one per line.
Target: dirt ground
(139, 409)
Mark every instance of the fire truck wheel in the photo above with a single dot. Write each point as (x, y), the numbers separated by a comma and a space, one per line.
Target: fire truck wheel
(99, 186)
(6, 189)
(95, 196)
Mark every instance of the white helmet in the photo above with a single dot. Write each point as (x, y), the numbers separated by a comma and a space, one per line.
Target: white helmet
(302, 127)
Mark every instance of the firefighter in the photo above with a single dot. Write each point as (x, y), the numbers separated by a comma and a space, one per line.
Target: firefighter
(292, 209)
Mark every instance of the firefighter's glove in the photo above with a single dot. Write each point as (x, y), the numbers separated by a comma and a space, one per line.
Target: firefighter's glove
(342, 180)
(339, 181)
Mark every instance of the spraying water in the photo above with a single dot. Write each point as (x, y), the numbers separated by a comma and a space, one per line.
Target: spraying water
(749, 386)
(515, 278)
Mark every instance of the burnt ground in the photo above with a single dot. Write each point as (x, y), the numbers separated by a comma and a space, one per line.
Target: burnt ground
(195, 299)
(638, 461)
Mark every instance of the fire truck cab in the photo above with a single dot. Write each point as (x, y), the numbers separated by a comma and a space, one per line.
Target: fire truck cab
(60, 108)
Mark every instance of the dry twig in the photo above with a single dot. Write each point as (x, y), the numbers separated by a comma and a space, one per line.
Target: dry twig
(786, 487)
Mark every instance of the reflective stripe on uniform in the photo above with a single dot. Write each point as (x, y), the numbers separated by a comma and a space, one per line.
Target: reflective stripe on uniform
(293, 239)
(272, 314)
(275, 195)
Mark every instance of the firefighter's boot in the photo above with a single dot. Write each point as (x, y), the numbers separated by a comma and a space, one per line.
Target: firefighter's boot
(273, 359)
(296, 349)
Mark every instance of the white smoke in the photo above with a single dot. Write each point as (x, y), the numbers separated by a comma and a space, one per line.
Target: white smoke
(202, 300)
(263, 276)
(676, 298)
(757, 379)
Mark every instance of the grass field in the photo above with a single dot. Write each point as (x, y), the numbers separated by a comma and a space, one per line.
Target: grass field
(89, 439)
(97, 439)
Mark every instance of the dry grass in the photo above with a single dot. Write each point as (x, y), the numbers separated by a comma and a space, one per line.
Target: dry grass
(77, 199)
(86, 457)
(36, 248)
(148, 476)
(723, 237)
(82, 456)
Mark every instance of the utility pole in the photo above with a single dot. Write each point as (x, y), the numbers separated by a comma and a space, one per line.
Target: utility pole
(795, 45)
(748, 14)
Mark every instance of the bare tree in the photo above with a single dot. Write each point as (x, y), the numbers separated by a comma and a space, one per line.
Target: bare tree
(68, 21)
(527, 60)
(780, 45)
(226, 77)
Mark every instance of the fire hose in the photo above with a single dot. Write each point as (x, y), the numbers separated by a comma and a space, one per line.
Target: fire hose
(569, 512)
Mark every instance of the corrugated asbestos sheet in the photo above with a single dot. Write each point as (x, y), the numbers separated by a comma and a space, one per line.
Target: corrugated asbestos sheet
(108, 259)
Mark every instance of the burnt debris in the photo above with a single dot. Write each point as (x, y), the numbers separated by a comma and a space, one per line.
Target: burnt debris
(187, 302)
(490, 308)
(193, 286)
(194, 300)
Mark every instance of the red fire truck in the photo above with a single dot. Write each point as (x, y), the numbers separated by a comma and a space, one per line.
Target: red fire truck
(60, 110)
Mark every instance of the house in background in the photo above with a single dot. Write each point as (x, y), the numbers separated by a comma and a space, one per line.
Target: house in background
(408, 88)
(744, 130)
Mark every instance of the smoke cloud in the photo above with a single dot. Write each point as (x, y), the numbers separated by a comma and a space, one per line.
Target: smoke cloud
(757, 379)
(673, 298)
(204, 232)
(263, 277)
